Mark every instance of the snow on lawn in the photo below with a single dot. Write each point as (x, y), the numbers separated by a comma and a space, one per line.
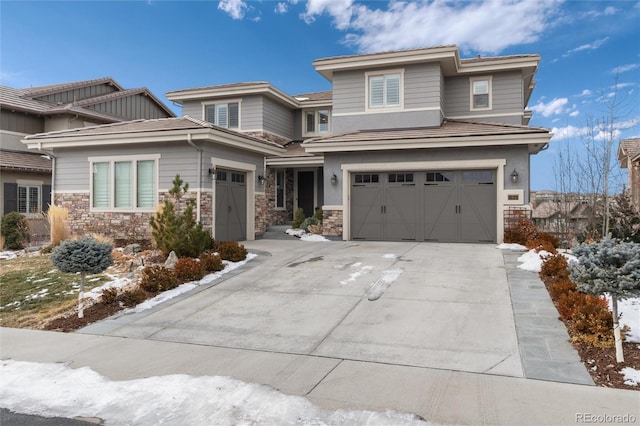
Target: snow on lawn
(304, 236)
(515, 247)
(7, 255)
(56, 390)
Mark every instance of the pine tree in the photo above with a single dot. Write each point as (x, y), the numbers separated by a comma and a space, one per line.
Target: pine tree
(624, 220)
(612, 267)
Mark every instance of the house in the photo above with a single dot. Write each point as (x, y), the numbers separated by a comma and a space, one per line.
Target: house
(411, 145)
(629, 158)
(25, 181)
(564, 217)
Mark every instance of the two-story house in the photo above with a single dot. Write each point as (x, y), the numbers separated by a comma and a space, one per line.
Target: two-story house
(416, 145)
(25, 179)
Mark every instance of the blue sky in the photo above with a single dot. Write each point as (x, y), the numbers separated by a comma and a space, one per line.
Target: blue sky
(170, 45)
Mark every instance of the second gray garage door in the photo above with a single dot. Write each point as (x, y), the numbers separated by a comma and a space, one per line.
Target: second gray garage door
(231, 206)
(454, 206)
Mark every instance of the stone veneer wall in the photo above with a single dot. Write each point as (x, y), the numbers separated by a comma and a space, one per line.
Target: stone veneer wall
(332, 223)
(121, 226)
(271, 215)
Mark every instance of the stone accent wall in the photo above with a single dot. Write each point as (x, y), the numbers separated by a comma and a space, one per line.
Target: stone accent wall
(271, 215)
(332, 223)
(261, 214)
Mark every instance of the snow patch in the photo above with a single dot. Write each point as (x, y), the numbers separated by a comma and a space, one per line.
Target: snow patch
(56, 390)
(629, 310)
(390, 256)
(7, 255)
(378, 288)
(355, 275)
(516, 247)
(631, 376)
(305, 236)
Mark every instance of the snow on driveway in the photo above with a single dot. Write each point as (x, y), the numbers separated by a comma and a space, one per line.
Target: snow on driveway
(56, 390)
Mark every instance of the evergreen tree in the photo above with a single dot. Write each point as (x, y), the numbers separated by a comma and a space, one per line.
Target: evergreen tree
(624, 220)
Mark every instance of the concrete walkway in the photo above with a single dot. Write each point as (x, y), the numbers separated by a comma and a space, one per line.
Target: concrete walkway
(356, 353)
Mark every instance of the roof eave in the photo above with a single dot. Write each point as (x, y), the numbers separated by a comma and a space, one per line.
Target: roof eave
(225, 92)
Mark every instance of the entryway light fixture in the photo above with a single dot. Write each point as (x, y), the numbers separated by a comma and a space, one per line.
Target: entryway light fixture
(212, 173)
(514, 176)
(334, 179)
(261, 179)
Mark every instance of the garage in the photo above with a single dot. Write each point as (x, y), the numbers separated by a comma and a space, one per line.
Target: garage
(231, 205)
(432, 205)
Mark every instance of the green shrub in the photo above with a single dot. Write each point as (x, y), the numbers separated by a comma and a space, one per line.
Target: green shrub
(231, 251)
(188, 269)
(318, 215)
(211, 262)
(298, 218)
(15, 230)
(308, 222)
(176, 230)
(156, 279)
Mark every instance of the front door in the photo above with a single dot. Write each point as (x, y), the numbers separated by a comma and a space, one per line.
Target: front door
(306, 195)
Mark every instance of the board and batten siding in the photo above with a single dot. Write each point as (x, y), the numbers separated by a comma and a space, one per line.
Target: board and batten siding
(131, 107)
(278, 119)
(20, 122)
(507, 98)
(79, 94)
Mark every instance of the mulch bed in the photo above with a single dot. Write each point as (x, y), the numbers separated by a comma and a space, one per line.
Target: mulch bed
(602, 365)
(93, 313)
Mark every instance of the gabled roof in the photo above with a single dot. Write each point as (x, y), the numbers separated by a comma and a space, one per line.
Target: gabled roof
(628, 150)
(24, 161)
(452, 133)
(25, 100)
(155, 130)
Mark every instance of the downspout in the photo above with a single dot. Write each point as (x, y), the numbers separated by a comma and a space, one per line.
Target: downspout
(199, 189)
(53, 170)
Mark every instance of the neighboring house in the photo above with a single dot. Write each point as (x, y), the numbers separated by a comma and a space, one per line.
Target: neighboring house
(562, 218)
(412, 145)
(629, 158)
(25, 175)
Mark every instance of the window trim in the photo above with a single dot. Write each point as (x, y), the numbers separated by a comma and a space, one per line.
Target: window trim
(29, 184)
(223, 102)
(489, 80)
(383, 108)
(316, 118)
(133, 159)
(284, 190)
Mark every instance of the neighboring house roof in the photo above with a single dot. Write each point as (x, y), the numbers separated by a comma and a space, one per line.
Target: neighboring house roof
(628, 150)
(24, 100)
(450, 134)
(548, 209)
(154, 130)
(24, 161)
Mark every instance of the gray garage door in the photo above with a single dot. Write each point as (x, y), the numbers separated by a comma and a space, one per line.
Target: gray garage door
(231, 206)
(455, 206)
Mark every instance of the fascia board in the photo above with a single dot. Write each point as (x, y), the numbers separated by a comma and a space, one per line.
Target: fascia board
(210, 93)
(455, 142)
(316, 160)
(505, 64)
(238, 142)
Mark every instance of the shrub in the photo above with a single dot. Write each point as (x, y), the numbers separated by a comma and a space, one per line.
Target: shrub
(555, 266)
(318, 215)
(592, 322)
(308, 222)
(132, 297)
(561, 287)
(109, 296)
(156, 279)
(231, 251)
(188, 269)
(539, 245)
(315, 229)
(176, 230)
(298, 218)
(57, 217)
(211, 262)
(15, 230)
(524, 230)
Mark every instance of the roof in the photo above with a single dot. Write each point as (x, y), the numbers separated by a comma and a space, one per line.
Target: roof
(24, 161)
(629, 149)
(150, 130)
(548, 209)
(24, 100)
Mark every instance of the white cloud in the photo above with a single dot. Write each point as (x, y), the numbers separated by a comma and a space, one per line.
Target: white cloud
(488, 26)
(235, 8)
(281, 8)
(597, 132)
(586, 92)
(554, 107)
(589, 46)
(568, 132)
(624, 68)
(610, 11)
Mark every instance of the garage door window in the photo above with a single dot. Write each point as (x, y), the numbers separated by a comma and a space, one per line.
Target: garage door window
(478, 176)
(367, 178)
(401, 177)
(439, 176)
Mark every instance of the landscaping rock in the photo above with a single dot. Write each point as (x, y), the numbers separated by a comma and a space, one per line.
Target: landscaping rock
(132, 249)
(171, 261)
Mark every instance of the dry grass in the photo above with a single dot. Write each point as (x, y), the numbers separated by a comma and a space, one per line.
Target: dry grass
(58, 217)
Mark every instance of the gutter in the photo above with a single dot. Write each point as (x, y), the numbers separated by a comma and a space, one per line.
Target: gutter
(199, 189)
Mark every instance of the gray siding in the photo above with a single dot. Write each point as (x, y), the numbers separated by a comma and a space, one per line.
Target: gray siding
(20, 122)
(348, 92)
(278, 119)
(517, 157)
(192, 109)
(422, 86)
(131, 108)
(507, 97)
(79, 94)
(389, 120)
(251, 113)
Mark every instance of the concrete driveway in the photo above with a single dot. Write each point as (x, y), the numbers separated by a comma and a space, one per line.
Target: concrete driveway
(443, 306)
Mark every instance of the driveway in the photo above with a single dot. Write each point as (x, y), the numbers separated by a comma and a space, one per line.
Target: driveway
(442, 306)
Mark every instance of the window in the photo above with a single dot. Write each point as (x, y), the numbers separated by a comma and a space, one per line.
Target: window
(400, 177)
(317, 121)
(28, 199)
(367, 178)
(224, 115)
(384, 90)
(480, 93)
(439, 176)
(123, 184)
(280, 188)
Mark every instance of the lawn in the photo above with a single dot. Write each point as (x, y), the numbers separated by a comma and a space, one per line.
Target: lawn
(32, 290)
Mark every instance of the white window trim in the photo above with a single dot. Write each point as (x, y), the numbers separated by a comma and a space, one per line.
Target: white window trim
(123, 158)
(383, 108)
(317, 121)
(226, 102)
(284, 190)
(30, 184)
(489, 79)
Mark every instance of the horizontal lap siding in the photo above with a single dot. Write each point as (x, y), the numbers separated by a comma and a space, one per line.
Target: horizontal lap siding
(193, 109)
(422, 86)
(278, 119)
(348, 92)
(250, 110)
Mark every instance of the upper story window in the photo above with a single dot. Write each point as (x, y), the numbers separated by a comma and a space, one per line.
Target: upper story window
(317, 121)
(480, 93)
(124, 183)
(225, 115)
(384, 89)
